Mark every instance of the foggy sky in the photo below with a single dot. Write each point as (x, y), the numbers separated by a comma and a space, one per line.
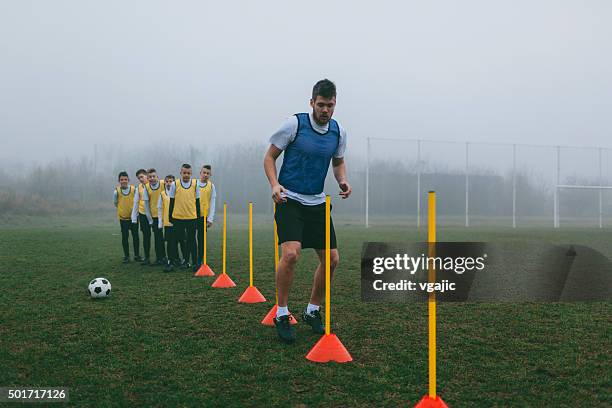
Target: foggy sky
(76, 73)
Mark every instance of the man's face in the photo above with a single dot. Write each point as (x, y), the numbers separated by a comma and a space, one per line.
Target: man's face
(204, 175)
(323, 109)
(153, 179)
(185, 174)
(142, 177)
(168, 182)
(123, 181)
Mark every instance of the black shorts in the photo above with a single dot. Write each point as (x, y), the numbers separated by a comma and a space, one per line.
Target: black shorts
(303, 223)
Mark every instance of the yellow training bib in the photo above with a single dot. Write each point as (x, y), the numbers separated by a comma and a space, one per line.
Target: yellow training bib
(185, 201)
(141, 204)
(165, 208)
(205, 195)
(154, 196)
(125, 203)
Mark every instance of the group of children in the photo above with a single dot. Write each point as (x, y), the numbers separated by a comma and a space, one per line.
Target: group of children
(176, 211)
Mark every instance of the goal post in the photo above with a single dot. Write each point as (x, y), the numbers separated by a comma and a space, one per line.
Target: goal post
(559, 187)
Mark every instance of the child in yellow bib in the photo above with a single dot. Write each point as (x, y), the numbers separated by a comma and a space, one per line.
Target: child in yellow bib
(163, 223)
(184, 211)
(123, 198)
(208, 196)
(152, 191)
(141, 214)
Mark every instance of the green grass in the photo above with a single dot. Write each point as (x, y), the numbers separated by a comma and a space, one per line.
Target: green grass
(172, 340)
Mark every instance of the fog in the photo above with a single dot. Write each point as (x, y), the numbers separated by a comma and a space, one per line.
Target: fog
(133, 73)
(78, 79)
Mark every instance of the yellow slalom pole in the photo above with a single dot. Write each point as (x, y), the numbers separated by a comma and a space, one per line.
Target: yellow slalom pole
(327, 268)
(275, 255)
(431, 238)
(250, 243)
(224, 232)
(205, 228)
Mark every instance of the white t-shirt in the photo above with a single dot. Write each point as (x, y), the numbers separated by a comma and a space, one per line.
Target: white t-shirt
(286, 134)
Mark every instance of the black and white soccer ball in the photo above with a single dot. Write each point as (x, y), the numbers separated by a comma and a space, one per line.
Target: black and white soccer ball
(99, 288)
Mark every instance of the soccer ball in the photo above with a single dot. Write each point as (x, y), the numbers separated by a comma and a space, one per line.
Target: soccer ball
(99, 288)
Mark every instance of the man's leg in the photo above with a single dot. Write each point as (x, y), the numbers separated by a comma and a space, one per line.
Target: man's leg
(180, 229)
(170, 254)
(171, 249)
(200, 239)
(158, 237)
(190, 230)
(125, 230)
(314, 236)
(145, 227)
(318, 284)
(290, 253)
(135, 240)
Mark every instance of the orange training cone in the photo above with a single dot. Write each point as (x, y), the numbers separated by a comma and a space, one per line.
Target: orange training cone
(267, 321)
(329, 347)
(204, 270)
(428, 402)
(251, 294)
(224, 281)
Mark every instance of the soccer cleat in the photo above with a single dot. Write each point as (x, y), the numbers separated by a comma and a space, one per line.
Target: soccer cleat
(314, 320)
(157, 262)
(285, 331)
(138, 258)
(185, 264)
(195, 267)
(145, 262)
(168, 267)
(126, 259)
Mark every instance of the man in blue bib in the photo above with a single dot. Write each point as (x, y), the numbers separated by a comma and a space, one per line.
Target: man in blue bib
(310, 142)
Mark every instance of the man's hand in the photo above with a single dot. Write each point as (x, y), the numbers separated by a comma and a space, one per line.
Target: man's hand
(276, 194)
(345, 188)
(209, 224)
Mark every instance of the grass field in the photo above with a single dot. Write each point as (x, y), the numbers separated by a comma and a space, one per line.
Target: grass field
(172, 340)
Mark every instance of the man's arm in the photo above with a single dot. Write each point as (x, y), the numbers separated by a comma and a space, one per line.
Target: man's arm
(160, 213)
(145, 198)
(171, 195)
(211, 206)
(115, 198)
(197, 200)
(135, 206)
(340, 174)
(270, 169)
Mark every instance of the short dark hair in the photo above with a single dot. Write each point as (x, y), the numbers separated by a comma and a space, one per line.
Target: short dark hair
(123, 174)
(324, 88)
(140, 171)
(207, 166)
(186, 166)
(169, 176)
(151, 170)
